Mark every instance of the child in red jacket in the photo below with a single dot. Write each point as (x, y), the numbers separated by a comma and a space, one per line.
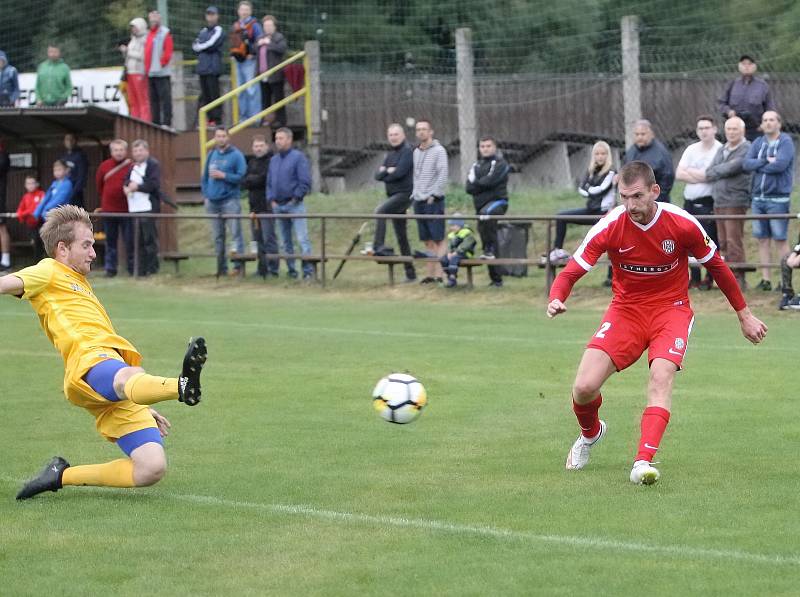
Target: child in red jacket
(27, 205)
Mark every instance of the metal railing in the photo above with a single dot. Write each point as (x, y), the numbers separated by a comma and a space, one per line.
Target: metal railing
(205, 144)
(324, 255)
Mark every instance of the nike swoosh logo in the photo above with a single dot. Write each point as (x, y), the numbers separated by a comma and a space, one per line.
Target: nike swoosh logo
(648, 446)
(675, 352)
(628, 249)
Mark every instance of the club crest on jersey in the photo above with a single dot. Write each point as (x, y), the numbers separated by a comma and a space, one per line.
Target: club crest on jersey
(668, 246)
(679, 343)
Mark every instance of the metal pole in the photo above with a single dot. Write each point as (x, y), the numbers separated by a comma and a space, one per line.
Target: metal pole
(465, 94)
(631, 83)
(313, 97)
(163, 9)
(323, 252)
(136, 247)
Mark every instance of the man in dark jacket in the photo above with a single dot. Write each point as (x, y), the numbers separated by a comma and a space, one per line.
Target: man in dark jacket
(78, 164)
(487, 182)
(208, 47)
(646, 148)
(271, 51)
(143, 188)
(397, 174)
(263, 230)
(747, 97)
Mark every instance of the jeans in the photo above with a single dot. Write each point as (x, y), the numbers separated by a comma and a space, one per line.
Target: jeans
(774, 229)
(272, 93)
(395, 204)
(250, 98)
(702, 206)
(263, 232)
(450, 264)
(488, 231)
(209, 91)
(300, 227)
(561, 225)
(160, 90)
(148, 247)
(232, 206)
(113, 227)
(731, 236)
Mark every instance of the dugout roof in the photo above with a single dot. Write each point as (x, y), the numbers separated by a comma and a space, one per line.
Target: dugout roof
(51, 124)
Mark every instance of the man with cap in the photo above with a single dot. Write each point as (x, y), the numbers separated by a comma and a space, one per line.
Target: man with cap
(747, 97)
(208, 47)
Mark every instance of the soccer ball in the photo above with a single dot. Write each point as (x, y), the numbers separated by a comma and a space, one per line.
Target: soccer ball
(399, 398)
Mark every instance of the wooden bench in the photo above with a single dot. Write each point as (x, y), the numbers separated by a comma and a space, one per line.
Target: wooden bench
(467, 264)
(175, 259)
(241, 259)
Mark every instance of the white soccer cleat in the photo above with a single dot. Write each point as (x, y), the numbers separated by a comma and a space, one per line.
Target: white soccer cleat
(644, 473)
(578, 455)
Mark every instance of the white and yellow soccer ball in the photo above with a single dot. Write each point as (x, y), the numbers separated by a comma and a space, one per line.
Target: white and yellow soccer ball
(399, 398)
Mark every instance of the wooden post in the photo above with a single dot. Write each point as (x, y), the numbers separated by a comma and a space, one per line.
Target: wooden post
(631, 83)
(465, 93)
(315, 128)
(178, 93)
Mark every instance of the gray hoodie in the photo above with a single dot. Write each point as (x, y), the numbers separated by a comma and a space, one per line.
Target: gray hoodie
(730, 183)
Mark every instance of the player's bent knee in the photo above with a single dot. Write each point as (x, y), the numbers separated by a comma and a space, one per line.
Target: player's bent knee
(149, 464)
(121, 378)
(584, 390)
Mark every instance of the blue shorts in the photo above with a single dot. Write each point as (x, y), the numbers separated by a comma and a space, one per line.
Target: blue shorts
(774, 229)
(101, 379)
(430, 229)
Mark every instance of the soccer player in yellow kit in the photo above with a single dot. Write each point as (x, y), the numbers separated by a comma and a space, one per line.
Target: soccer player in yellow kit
(102, 372)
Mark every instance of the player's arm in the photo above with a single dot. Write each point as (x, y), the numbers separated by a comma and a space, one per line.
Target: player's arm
(562, 286)
(12, 285)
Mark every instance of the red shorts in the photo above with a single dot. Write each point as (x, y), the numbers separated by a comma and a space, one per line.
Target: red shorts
(627, 330)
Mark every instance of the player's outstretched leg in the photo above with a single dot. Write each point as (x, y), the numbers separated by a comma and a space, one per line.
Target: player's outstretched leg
(142, 388)
(47, 480)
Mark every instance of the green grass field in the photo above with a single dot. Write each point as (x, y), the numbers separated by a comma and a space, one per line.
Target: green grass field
(283, 481)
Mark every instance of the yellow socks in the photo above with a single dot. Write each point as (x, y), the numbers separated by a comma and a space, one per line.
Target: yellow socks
(144, 388)
(117, 473)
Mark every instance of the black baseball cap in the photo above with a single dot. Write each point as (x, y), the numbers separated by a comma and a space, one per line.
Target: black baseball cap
(747, 57)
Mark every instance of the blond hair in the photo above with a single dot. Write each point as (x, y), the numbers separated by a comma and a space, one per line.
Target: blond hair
(609, 159)
(60, 226)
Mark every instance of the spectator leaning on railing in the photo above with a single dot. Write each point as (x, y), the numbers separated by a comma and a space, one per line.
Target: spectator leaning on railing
(208, 47)
(53, 80)
(771, 160)
(143, 189)
(397, 175)
(430, 182)
(730, 188)
(157, 57)
(646, 148)
(487, 182)
(262, 230)
(697, 192)
(110, 182)
(221, 187)
(9, 82)
(288, 182)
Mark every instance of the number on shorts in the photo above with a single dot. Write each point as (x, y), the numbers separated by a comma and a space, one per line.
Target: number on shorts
(601, 333)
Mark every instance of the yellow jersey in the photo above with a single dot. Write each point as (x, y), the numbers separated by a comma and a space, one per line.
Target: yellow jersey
(70, 314)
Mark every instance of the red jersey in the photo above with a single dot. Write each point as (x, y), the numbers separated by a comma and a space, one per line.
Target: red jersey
(27, 206)
(110, 179)
(650, 261)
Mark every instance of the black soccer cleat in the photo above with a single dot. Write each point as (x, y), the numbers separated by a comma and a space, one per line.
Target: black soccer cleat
(48, 480)
(189, 380)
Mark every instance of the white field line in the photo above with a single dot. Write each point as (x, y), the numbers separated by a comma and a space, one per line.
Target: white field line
(465, 530)
(532, 340)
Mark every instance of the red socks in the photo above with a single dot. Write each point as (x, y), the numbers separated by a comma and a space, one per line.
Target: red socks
(587, 416)
(654, 422)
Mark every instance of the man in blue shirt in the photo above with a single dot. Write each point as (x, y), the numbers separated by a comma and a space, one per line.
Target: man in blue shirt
(288, 182)
(771, 160)
(222, 176)
(9, 82)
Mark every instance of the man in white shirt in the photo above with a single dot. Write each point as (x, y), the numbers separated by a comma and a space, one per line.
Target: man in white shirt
(697, 194)
(143, 190)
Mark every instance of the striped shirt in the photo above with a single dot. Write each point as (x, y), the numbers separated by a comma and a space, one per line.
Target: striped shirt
(430, 172)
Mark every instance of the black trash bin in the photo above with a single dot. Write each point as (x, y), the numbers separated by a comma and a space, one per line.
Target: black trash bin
(512, 242)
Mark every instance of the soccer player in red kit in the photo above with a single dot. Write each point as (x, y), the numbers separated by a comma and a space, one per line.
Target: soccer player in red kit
(649, 245)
